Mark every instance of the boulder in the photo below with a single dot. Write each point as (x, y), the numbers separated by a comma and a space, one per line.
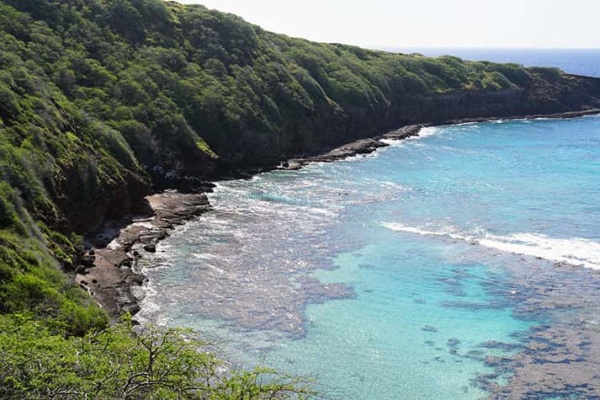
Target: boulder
(150, 248)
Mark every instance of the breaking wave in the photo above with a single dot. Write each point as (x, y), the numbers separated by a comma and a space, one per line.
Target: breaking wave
(574, 251)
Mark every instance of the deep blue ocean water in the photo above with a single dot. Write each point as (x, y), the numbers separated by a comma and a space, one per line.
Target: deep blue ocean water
(573, 61)
(396, 275)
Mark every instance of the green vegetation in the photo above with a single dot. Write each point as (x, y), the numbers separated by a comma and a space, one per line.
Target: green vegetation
(94, 93)
(156, 77)
(114, 364)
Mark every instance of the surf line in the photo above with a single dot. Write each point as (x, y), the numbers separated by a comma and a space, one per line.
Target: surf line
(573, 251)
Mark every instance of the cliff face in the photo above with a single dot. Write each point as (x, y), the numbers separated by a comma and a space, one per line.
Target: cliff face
(100, 100)
(328, 128)
(112, 95)
(202, 92)
(571, 93)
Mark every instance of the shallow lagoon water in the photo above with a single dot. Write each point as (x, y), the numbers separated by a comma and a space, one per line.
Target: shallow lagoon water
(396, 275)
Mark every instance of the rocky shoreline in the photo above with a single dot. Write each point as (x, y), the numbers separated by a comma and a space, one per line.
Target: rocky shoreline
(366, 146)
(108, 270)
(110, 273)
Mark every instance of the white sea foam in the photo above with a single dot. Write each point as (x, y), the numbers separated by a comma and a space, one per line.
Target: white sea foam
(113, 245)
(424, 132)
(330, 213)
(447, 232)
(467, 123)
(428, 131)
(391, 142)
(216, 269)
(150, 310)
(205, 256)
(575, 251)
(144, 224)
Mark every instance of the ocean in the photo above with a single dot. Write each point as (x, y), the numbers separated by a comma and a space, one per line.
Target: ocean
(574, 61)
(461, 264)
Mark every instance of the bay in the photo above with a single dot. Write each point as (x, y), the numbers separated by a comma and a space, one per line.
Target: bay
(422, 271)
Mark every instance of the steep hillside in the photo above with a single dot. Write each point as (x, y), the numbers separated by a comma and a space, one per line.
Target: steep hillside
(99, 97)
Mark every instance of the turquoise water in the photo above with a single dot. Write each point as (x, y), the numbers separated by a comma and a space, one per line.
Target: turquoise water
(389, 276)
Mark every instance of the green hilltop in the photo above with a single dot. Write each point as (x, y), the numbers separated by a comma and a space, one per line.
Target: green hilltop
(95, 93)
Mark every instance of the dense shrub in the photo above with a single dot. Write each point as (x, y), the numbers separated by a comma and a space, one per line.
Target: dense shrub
(118, 364)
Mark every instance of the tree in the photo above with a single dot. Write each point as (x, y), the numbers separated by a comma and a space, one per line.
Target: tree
(154, 363)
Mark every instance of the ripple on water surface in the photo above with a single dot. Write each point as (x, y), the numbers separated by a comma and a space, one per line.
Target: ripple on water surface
(424, 272)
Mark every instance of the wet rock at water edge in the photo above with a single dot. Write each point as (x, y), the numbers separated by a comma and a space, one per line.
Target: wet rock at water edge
(150, 248)
(137, 279)
(404, 132)
(126, 263)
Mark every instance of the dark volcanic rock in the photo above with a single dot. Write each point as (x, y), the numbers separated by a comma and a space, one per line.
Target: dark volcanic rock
(179, 181)
(88, 260)
(116, 270)
(404, 132)
(363, 146)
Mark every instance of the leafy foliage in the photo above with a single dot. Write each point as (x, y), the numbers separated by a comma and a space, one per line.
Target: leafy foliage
(165, 75)
(94, 93)
(116, 364)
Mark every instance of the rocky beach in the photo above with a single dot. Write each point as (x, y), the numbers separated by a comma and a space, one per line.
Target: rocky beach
(545, 358)
(558, 359)
(109, 269)
(117, 116)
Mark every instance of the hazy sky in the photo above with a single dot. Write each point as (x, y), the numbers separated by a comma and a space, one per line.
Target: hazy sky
(427, 23)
